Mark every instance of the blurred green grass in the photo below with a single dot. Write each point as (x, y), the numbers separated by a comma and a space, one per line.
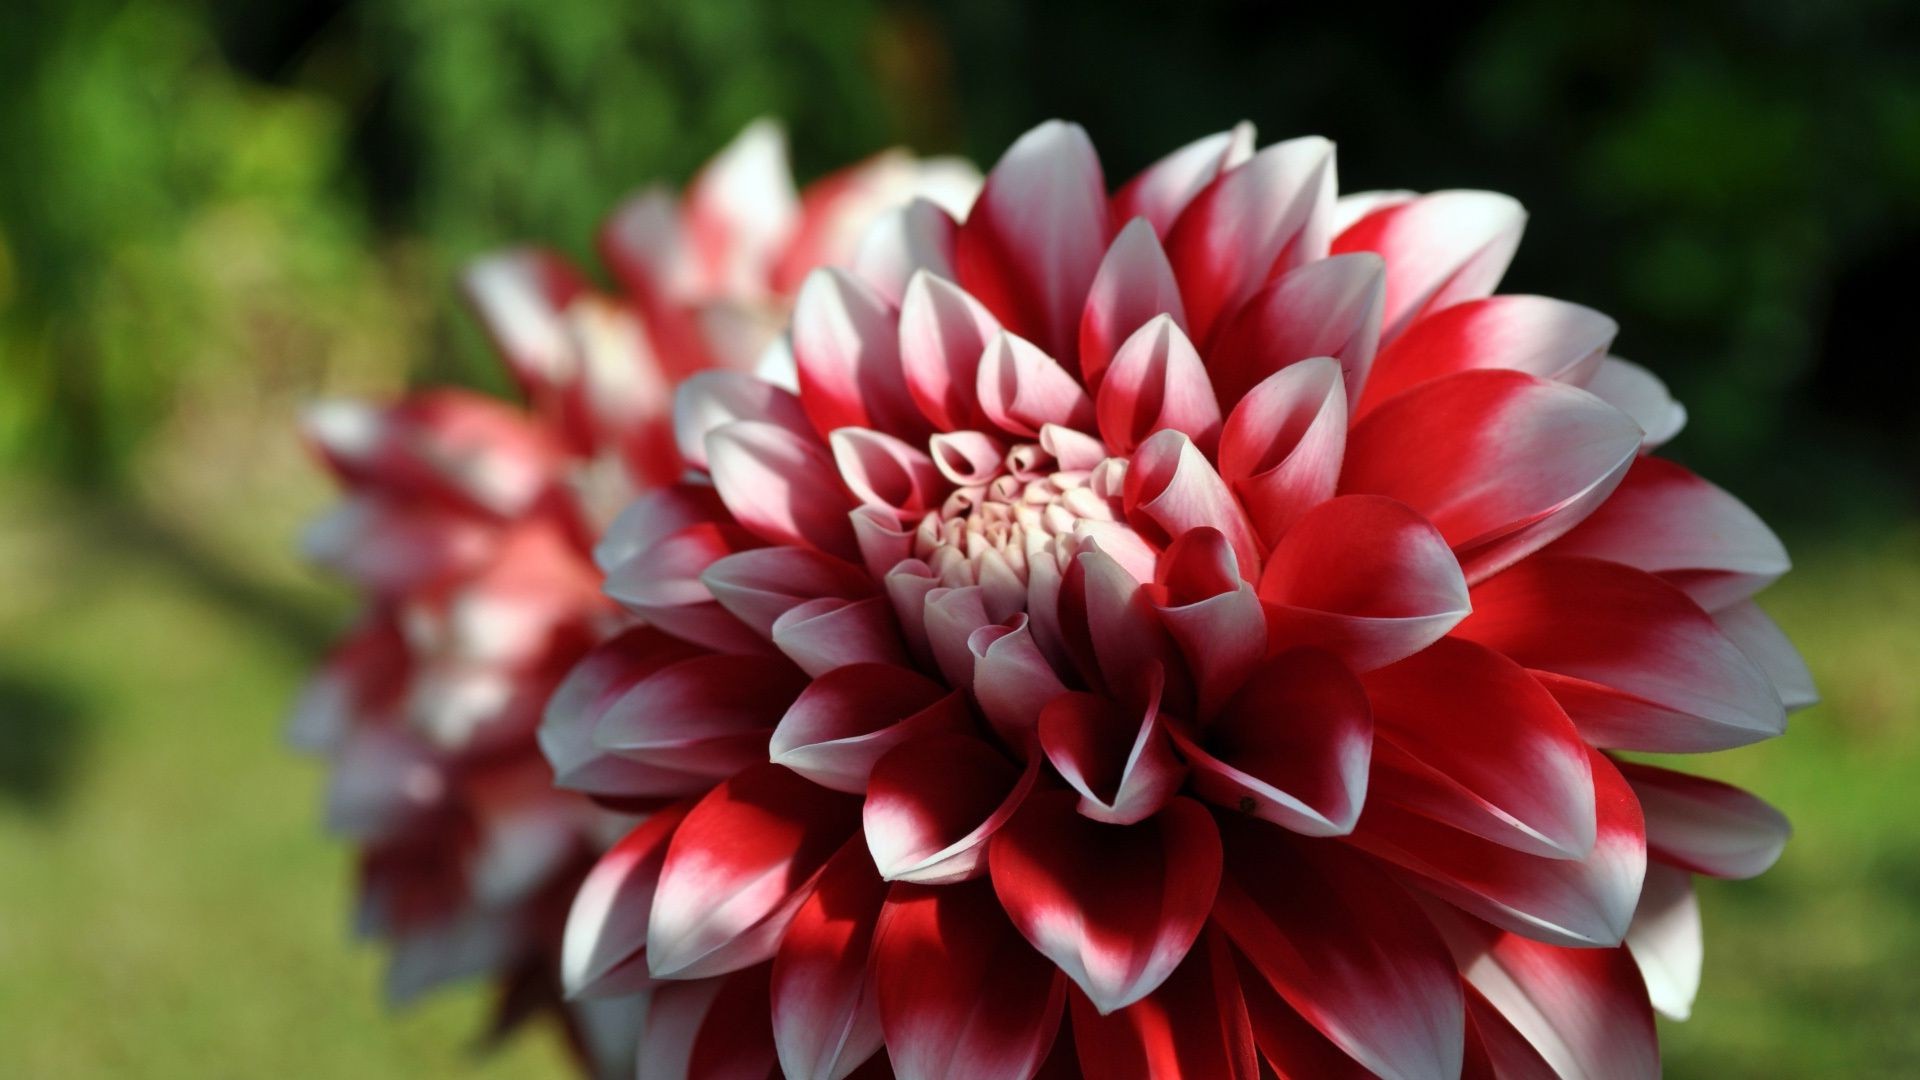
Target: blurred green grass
(170, 909)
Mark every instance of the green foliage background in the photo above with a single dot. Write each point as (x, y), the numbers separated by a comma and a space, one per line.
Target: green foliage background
(213, 209)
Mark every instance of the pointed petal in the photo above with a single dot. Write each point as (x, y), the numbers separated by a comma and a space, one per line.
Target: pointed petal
(1118, 759)
(709, 399)
(883, 471)
(1767, 646)
(826, 1020)
(1440, 249)
(943, 333)
(1194, 1027)
(1271, 214)
(846, 341)
(1164, 188)
(1666, 520)
(1327, 308)
(1467, 737)
(738, 868)
(1157, 382)
(1640, 394)
(903, 242)
(1135, 283)
(1352, 955)
(607, 928)
(962, 995)
(1115, 906)
(1171, 488)
(1535, 334)
(1364, 578)
(781, 486)
(1212, 613)
(1022, 389)
(1033, 241)
(1706, 826)
(710, 715)
(1665, 940)
(1643, 668)
(933, 802)
(848, 718)
(1501, 462)
(761, 585)
(740, 210)
(1281, 449)
(1292, 747)
(1012, 680)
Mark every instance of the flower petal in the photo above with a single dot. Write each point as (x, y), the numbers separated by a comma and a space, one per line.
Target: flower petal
(1115, 906)
(933, 802)
(1640, 394)
(1118, 759)
(1135, 283)
(739, 867)
(1326, 308)
(1535, 334)
(1767, 646)
(1157, 382)
(1440, 249)
(1212, 613)
(1706, 826)
(607, 928)
(1501, 462)
(1365, 578)
(846, 342)
(709, 399)
(1164, 188)
(961, 993)
(761, 585)
(1194, 1026)
(1281, 448)
(781, 486)
(1171, 488)
(1640, 666)
(826, 1020)
(848, 718)
(1012, 680)
(943, 333)
(1665, 940)
(1022, 389)
(899, 244)
(1033, 241)
(710, 715)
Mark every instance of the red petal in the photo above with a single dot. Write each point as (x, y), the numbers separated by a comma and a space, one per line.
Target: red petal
(1706, 826)
(1033, 241)
(607, 928)
(662, 583)
(943, 333)
(961, 993)
(1194, 1027)
(1213, 613)
(1351, 953)
(1293, 1047)
(846, 344)
(883, 471)
(901, 243)
(1164, 188)
(1157, 382)
(1540, 336)
(1022, 389)
(848, 718)
(1571, 902)
(761, 585)
(782, 487)
(1012, 679)
(828, 633)
(1501, 462)
(735, 1040)
(710, 399)
(1135, 283)
(738, 868)
(1468, 738)
(933, 801)
(1281, 449)
(826, 1022)
(1365, 578)
(710, 715)
(1440, 249)
(1115, 906)
(1118, 759)
(1171, 488)
(1635, 663)
(1292, 747)
(1665, 520)
(1327, 308)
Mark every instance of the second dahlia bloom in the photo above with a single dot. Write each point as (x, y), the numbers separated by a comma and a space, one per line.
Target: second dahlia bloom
(469, 525)
(1168, 631)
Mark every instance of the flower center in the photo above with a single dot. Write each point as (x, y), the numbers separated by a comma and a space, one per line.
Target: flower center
(993, 533)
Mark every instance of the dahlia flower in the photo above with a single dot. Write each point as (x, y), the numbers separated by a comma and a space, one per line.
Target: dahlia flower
(468, 526)
(1162, 632)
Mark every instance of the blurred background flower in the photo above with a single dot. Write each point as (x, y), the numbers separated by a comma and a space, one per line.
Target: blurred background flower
(213, 210)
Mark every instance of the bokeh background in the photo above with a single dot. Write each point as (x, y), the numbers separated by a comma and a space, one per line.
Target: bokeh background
(211, 210)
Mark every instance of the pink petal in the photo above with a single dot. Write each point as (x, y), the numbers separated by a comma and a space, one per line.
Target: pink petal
(760, 585)
(739, 867)
(1012, 680)
(1212, 613)
(1109, 628)
(967, 458)
(607, 928)
(903, 242)
(943, 333)
(653, 516)
(1640, 394)
(961, 993)
(1292, 747)
(520, 297)
(1706, 826)
(1640, 667)
(1135, 283)
(1584, 1011)
(675, 1013)
(1326, 308)
(1767, 646)
(846, 342)
(1157, 383)
(1540, 336)
(1352, 954)
(1172, 488)
(736, 1034)
(1290, 1045)
(1667, 521)
(710, 399)
(933, 802)
(1118, 759)
(1281, 449)
(741, 209)
(1467, 737)
(1269, 215)
(1365, 578)
(1033, 241)
(781, 486)
(1116, 907)
(828, 633)
(1022, 389)
(847, 719)
(1572, 902)
(883, 471)
(1194, 1026)
(1164, 188)
(826, 1020)
(710, 715)
(663, 584)
(1665, 940)
(1440, 249)
(952, 615)
(1501, 462)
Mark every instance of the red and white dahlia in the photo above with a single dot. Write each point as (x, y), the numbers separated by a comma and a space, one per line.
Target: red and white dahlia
(469, 526)
(1168, 631)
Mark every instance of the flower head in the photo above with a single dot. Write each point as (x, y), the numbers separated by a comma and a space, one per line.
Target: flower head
(1206, 613)
(469, 525)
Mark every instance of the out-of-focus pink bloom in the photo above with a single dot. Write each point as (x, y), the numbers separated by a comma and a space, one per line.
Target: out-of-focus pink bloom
(1168, 630)
(469, 526)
